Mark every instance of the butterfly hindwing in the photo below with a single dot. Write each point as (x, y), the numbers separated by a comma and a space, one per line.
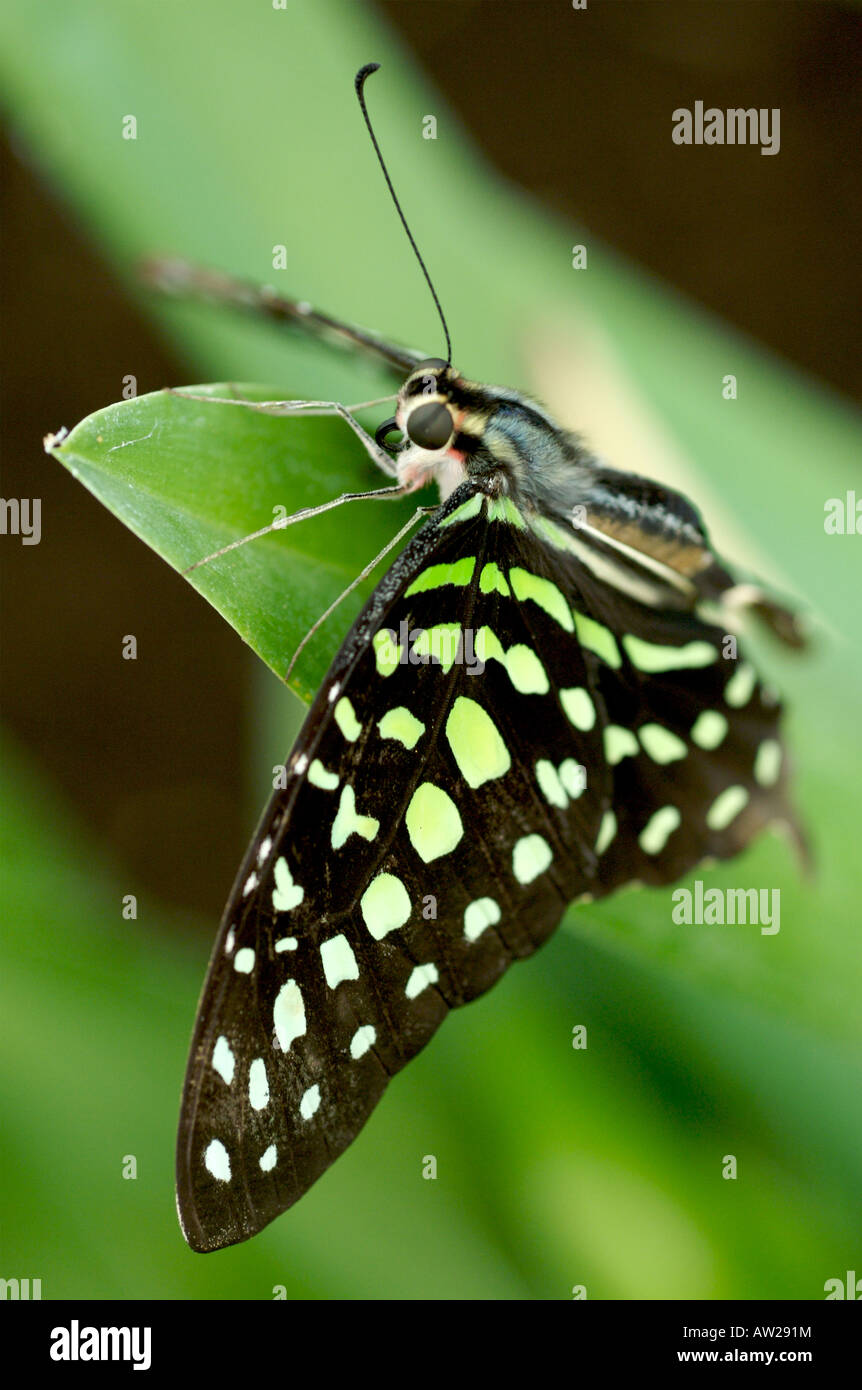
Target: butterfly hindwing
(693, 738)
(489, 745)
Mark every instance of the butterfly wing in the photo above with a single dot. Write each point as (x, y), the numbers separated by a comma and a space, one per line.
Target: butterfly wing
(693, 736)
(693, 741)
(467, 769)
(175, 276)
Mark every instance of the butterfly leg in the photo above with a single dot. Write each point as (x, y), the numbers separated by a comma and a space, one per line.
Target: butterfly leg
(372, 564)
(302, 515)
(375, 452)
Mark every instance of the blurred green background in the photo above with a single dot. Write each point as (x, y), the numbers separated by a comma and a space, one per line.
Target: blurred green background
(556, 1167)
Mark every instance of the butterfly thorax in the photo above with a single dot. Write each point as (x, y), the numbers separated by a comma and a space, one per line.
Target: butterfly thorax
(507, 444)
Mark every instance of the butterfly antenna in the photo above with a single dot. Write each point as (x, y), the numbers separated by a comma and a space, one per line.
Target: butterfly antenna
(360, 80)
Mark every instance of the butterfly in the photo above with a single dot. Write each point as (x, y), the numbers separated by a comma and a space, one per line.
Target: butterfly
(540, 703)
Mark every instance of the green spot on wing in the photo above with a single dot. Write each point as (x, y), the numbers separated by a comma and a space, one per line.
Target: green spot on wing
(433, 822)
(476, 743)
(480, 915)
(652, 658)
(504, 509)
(339, 962)
(421, 976)
(607, 831)
(573, 777)
(286, 894)
(385, 905)
(523, 666)
(658, 829)
(526, 671)
(319, 776)
(346, 720)
(492, 578)
(598, 639)
(543, 592)
(661, 744)
(465, 512)
(387, 652)
(441, 642)
(726, 807)
(709, 729)
(578, 707)
(619, 743)
(549, 782)
(531, 856)
(435, 576)
(740, 687)
(488, 647)
(347, 821)
(401, 724)
(767, 762)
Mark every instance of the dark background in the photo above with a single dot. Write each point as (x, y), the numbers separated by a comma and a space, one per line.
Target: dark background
(770, 244)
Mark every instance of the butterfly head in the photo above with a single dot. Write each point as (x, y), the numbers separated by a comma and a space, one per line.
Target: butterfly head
(425, 406)
(423, 415)
(429, 418)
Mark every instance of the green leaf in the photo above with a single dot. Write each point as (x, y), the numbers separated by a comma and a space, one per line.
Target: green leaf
(190, 477)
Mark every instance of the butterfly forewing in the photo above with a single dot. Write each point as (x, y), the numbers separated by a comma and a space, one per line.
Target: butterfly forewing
(496, 738)
(374, 897)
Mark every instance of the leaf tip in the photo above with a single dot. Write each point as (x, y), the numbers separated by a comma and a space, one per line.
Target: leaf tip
(53, 440)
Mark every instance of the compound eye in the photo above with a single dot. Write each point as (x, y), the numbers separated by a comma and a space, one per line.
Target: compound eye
(430, 426)
(380, 434)
(431, 364)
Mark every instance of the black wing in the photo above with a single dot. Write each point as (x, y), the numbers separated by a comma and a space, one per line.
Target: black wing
(517, 742)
